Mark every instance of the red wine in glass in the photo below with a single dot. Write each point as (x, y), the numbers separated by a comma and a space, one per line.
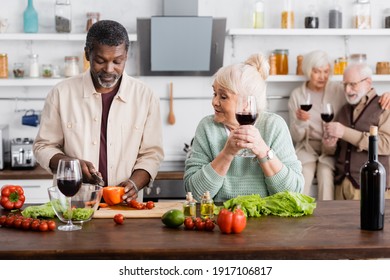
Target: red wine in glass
(306, 107)
(246, 118)
(327, 117)
(69, 187)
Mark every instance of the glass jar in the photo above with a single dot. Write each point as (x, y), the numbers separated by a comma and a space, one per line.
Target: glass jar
(34, 66)
(358, 58)
(386, 18)
(288, 15)
(3, 65)
(362, 14)
(206, 206)
(63, 16)
(189, 206)
(343, 63)
(335, 16)
(258, 15)
(383, 68)
(18, 70)
(47, 71)
(71, 66)
(91, 19)
(281, 57)
(311, 18)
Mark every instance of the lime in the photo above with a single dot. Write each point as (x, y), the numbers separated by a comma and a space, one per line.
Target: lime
(173, 218)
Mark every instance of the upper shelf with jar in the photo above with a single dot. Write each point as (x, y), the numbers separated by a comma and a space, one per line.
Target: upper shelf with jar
(308, 32)
(50, 36)
(18, 82)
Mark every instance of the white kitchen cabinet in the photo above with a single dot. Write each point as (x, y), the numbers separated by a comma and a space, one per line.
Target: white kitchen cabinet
(30, 38)
(35, 190)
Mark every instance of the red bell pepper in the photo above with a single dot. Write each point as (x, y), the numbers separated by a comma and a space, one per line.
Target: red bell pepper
(12, 197)
(231, 222)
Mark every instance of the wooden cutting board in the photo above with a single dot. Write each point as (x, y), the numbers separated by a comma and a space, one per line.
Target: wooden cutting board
(159, 209)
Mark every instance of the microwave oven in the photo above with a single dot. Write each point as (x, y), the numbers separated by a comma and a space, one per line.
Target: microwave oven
(5, 146)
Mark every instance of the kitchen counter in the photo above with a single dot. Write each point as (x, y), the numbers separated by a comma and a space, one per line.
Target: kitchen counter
(39, 173)
(332, 232)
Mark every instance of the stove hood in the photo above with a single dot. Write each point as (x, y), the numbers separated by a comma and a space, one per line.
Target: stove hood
(180, 45)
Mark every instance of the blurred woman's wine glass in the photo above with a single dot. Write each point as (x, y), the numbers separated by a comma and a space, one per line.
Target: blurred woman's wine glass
(246, 114)
(306, 104)
(69, 180)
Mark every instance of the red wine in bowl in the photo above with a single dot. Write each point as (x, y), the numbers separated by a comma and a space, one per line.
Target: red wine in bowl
(306, 107)
(327, 117)
(69, 187)
(245, 118)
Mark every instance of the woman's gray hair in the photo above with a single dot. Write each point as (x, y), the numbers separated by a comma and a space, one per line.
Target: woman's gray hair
(315, 59)
(247, 78)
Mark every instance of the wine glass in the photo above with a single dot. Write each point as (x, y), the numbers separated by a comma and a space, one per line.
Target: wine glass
(306, 104)
(246, 114)
(327, 114)
(69, 180)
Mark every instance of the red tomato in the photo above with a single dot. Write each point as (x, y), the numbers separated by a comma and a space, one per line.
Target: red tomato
(209, 225)
(18, 223)
(150, 205)
(26, 224)
(43, 226)
(52, 225)
(35, 225)
(199, 224)
(2, 220)
(189, 223)
(119, 219)
(9, 222)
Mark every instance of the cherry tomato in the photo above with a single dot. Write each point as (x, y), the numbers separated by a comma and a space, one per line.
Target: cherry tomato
(199, 224)
(43, 226)
(133, 203)
(51, 225)
(119, 219)
(9, 222)
(150, 205)
(2, 220)
(26, 224)
(189, 223)
(209, 225)
(35, 225)
(18, 223)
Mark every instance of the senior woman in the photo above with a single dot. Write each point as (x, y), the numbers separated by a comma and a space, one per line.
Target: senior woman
(306, 127)
(213, 165)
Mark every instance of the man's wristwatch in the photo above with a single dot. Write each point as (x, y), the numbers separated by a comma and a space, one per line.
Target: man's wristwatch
(270, 155)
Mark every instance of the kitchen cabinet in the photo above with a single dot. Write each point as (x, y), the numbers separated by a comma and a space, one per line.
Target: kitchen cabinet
(299, 41)
(307, 34)
(30, 38)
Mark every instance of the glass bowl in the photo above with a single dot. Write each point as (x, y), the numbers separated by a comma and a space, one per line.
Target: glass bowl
(84, 203)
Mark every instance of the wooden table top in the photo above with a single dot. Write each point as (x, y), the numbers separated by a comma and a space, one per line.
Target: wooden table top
(332, 232)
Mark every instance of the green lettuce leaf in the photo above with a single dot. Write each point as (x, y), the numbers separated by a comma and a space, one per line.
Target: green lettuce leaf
(284, 204)
(39, 211)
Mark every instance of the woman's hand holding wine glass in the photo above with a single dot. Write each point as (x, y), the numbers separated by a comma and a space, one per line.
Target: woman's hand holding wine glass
(246, 114)
(306, 104)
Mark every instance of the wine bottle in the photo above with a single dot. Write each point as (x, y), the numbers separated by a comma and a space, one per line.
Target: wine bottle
(372, 187)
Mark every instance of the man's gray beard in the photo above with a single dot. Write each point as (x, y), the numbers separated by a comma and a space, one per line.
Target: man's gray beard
(108, 85)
